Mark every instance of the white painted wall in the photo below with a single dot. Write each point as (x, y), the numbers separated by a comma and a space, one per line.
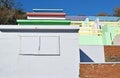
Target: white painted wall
(15, 65)
(95, 52)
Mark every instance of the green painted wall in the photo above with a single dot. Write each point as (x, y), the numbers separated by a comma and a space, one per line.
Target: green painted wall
(90, 40)
(107, 37)
(109, 33)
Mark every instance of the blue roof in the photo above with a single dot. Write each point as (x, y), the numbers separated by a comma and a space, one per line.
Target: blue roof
(93, 18)
(104, 18)
(48, 10)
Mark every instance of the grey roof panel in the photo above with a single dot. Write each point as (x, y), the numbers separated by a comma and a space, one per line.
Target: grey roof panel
(76, 18)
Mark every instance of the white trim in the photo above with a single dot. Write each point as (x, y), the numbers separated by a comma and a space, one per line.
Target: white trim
(29, 17)
(38, 27)
(49, 9)
(100, 63)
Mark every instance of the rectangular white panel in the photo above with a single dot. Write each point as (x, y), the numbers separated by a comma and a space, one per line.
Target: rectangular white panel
(49, 45)
(29, 45)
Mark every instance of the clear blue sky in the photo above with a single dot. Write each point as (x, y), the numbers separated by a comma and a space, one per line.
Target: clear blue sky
(73, 7)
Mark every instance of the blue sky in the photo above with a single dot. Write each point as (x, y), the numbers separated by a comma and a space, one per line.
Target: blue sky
(73, 7)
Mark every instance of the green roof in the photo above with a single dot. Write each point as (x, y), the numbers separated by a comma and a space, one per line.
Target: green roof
(44, 22)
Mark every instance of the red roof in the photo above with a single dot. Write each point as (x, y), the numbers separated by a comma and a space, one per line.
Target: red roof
(47, 14)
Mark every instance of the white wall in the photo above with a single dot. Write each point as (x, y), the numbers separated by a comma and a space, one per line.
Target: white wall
(15, 64)
(9, 54)
(95, 52)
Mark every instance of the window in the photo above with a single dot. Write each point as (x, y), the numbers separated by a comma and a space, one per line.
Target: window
(40, 45)
(50, 45)
(29, 45)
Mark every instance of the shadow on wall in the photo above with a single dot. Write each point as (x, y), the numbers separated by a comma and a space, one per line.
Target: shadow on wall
(84, 57)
